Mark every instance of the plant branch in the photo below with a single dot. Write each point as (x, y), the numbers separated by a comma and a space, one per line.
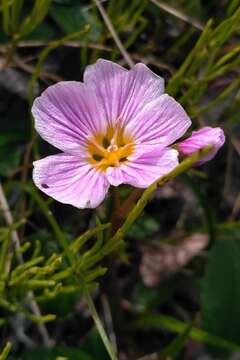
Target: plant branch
(89, 302)
(16, 244)
(142, 202)
(71, 258)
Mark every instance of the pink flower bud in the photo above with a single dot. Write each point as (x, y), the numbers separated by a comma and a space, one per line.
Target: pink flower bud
(200, 139)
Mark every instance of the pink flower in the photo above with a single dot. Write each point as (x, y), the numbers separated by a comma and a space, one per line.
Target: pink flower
(115, 128)
(201, 138)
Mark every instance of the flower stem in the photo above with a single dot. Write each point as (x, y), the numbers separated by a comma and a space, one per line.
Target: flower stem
(135, 212)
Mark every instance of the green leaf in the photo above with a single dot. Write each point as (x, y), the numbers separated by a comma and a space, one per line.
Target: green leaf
(44, 32)
(220, 296)
(62, 305)
(5, 352)
(92, 349)
(154, 321)
(148, 299)
(204, 204)
(51, 354)
(9, 160)
(9, 138)
(10, 152)
(143, 227)
(93, 345)
(73, 17)
(174, 348)
(36, 17)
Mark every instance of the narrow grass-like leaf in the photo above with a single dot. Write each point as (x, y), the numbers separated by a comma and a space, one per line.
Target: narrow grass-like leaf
(4, 354)
(176, 80)
(155, 321)
(39, 11)
(6, 16)
(174, 348)
(16, 11)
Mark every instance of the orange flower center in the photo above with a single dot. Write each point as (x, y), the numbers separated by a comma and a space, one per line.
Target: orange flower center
(110, 149)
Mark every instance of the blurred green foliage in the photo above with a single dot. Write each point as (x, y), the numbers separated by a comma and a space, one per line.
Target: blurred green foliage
(221, 293)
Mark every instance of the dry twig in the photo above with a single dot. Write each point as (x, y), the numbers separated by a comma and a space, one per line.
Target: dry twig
(115, 36)
(178, 14)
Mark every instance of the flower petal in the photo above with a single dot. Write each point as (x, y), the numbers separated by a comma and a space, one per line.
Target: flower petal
(66, 114)
(201, 138)
(70, 181)
(145, 170)
(161, 122)
(123, 93)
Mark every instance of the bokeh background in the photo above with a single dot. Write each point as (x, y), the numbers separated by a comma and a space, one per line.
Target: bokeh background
(174, 292)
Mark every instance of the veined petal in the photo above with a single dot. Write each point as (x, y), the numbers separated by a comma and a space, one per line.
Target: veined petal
(105, 79)
(70, 180)
(145, 170)
(66, 114)
(123, 93)
(161, 122)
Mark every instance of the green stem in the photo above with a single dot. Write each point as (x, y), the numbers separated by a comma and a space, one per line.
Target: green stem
(71, 258)
(6, 351)
(11, 51)
(135, 212)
